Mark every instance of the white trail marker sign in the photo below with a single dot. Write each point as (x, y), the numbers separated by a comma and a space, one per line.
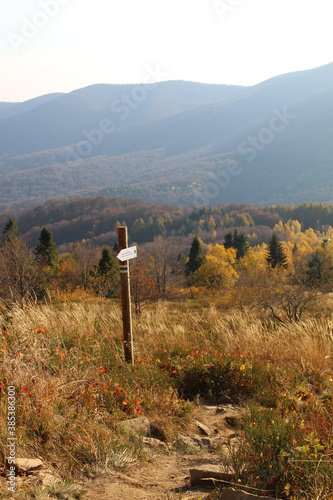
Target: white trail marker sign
(127, 254)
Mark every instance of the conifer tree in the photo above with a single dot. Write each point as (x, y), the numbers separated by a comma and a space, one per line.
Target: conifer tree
(10, 231)
(196, 257)
(276, 256)
(107, 262)
(105, 276)
(228, 241)
(320, 265)
(316, 267)
(241, 244)
(47, 249)
(238, 241)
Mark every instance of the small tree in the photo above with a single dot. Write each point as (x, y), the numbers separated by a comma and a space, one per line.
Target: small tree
(21, 276)
(319, 270)
(47, 249)
(68, 278)
(85, 258)
(196, 258)
(316, 266)
(162, 266)
(143, 287)
(276, 256)
(218, 271)
(10, 231)
(181, 262)
(107, 262)
(105, 277)
(284, 295)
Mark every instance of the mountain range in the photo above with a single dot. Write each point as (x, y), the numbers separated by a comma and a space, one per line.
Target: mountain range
(173, 142)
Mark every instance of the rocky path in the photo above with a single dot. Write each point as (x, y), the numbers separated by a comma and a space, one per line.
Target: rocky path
(172, 472)
(168, 476)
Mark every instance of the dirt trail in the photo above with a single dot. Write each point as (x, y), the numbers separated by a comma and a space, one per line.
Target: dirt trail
(167, 477)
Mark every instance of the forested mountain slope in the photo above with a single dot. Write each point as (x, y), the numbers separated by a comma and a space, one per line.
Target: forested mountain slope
(172, 142)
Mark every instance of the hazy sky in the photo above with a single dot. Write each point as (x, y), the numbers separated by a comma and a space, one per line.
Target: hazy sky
(61, 45)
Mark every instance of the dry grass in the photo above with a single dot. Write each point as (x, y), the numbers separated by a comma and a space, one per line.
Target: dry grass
(308, 344)
(66, 363)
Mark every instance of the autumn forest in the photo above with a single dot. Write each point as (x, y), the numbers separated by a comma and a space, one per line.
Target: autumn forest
(233, 301)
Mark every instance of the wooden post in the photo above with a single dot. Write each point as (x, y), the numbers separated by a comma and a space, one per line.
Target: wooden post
(126, 297)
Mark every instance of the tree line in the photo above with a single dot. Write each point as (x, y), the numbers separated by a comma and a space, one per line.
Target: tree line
(293, 265)
(96, 219)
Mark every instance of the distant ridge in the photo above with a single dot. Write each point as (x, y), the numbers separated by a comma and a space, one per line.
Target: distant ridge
(15, 108)
(58, 119)
(173, 142)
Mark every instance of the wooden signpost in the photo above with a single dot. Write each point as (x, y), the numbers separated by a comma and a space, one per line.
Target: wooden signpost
(125, 254)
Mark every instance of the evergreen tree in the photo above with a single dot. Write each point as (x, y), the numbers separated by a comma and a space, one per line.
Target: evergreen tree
(10, 231)
(47, 249)
(238, 241)
(196, 257)
(107, 262)
(228, 241)
(316, 267)
(241, 244)
(320, 265)
(105, 276)
(276, 256)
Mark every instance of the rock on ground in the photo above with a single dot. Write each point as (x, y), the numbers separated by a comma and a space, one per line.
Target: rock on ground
(231, 494)
(197, 475)
(26, 465)
(155, 444)
(138, 426)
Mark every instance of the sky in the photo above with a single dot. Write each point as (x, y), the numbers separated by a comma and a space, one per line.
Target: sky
(62, 45)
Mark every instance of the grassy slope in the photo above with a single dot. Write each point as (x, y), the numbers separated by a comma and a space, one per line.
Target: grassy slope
(66, 363)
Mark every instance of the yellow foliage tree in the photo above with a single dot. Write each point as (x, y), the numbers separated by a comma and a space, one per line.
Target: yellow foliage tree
(218, 271)
(254, 262)
(251, 269)
(291, 231)
(67, 278)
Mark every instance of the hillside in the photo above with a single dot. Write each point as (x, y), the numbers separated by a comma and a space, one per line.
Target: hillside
(172, 144)
(191, 360)
(15, 108)
(58, 120)
(95, 220)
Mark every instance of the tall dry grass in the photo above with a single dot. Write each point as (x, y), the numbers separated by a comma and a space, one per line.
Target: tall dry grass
(66, 362)
(308, 344)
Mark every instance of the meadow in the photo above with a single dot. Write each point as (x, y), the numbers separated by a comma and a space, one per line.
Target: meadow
(72, 386)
